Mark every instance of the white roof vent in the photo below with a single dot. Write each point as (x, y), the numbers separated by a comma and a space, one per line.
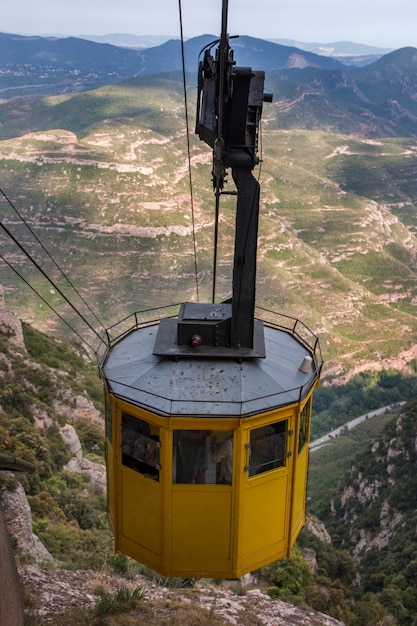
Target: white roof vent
(305, 366)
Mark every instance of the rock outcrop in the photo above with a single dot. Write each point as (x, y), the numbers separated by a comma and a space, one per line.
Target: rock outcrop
(18, 519)
(381, 487)
(318, 529)
(56, 591)
(11, 324)
(79, 464)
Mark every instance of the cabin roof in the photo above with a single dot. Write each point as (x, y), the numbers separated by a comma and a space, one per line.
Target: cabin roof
(209, 387)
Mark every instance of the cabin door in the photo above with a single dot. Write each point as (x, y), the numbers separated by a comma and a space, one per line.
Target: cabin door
(266, 494)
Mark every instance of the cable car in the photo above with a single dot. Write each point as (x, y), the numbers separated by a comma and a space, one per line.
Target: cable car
(208, 411)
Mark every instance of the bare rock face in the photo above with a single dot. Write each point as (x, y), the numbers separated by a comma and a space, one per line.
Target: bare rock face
(377, 483)
(318, 529)
(11, 597)
(78, 464)
(310, 557)
(85, 409)
(71, 440)
(11, 324)
(76, 408)
(56, 591)
(19, 523)
(96, 471)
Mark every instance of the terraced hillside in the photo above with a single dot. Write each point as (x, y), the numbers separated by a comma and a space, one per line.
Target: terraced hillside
(102, 177)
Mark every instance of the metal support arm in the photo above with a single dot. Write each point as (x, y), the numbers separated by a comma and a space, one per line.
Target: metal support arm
(244, 268)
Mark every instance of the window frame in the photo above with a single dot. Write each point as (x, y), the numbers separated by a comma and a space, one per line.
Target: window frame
(270, 449)
(140, 445)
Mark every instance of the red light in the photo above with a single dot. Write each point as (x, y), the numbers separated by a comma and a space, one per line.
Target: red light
(196, 341)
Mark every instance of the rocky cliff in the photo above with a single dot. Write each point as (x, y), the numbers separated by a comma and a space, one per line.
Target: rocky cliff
(373, 515)
(380, 493)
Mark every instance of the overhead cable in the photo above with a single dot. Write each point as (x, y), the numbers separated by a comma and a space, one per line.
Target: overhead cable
(45, 275)
(25, 222)
(188, 149)
(45, 301)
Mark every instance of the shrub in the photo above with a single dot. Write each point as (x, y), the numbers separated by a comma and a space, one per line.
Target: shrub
(328, 597)
(85, 510)
(123, 599)
(91, 436)
(288, 575)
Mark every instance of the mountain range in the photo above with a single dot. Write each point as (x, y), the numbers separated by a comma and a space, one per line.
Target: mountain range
(312, 91)
(55, 65)
(347, 50)
(33, 63)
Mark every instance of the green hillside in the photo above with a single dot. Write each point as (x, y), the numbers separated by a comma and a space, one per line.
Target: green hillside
(363, 487)
(330, 463)
(102, 177)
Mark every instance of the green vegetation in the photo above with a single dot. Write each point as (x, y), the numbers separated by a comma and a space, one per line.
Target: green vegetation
(328, 591)
(337, 404)
(384, 596)
(91, 439)
(288, 576)
(380, 587)
(379, 452)
(329, 464)
(69, 514)
(65, 357)
(122, 600)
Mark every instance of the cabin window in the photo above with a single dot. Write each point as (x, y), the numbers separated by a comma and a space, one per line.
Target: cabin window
(267, 448)
(140, 446)
(305, 415)
(108, 413)
(203, 457)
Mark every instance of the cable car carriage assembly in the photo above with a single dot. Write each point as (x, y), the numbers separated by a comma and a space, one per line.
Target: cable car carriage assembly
(208, 413)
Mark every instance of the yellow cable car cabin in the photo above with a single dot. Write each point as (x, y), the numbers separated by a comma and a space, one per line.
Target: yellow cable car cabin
(207, 460)
(208, 414)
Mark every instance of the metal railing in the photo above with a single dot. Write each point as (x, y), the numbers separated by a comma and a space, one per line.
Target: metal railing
(139, 319)
(148, 317)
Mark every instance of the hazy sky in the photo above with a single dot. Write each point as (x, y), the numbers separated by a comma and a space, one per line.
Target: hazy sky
(386, 23)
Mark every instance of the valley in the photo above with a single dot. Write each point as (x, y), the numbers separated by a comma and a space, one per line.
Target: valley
(101, 177)
(108, 195)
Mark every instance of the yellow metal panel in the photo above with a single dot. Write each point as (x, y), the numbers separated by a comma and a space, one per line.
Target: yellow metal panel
(152, 418)
(265, 502)
(196, 423)
(264, 519)
(263, 419)
(111, 492)
(142, 512)
(142, 555)
(207, 530)
(201, 522)
(299, 495)
(300, 465)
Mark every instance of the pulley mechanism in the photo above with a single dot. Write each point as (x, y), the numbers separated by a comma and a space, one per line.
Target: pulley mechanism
(229, 109)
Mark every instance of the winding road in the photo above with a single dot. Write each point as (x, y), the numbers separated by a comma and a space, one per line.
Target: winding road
(325, 439)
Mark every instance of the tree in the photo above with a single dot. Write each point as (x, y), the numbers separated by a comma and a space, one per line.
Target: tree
(288, 575)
